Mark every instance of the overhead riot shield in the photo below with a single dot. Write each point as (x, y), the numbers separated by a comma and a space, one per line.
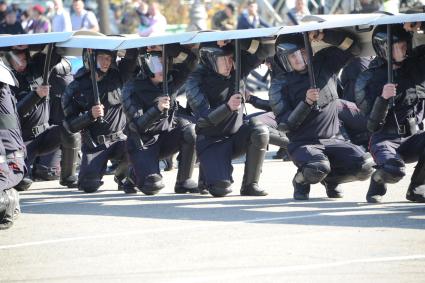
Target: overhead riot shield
(34, 39)
(89, 39)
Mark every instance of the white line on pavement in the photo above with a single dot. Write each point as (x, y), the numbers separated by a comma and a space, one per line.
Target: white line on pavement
(171, 229)
(266, 271)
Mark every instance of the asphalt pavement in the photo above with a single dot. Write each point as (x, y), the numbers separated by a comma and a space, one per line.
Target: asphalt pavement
(64, 235)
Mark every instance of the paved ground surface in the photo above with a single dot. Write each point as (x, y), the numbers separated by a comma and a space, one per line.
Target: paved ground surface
(66, 235)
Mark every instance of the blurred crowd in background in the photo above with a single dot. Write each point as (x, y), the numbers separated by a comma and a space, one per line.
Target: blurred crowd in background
(150, 18)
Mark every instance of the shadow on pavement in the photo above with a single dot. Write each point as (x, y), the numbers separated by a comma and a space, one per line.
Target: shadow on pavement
(316, 211)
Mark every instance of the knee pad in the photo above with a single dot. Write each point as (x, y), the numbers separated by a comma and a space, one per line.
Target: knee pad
(220, 188)
(259, 136)
(152, 184)
(189, 135)
(89, 185)
(70, 140)
(315, 172)
(366, 167)
(392, 171)
(278, 138)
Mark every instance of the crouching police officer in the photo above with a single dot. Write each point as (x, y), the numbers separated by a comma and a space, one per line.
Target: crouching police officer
(154, 130)
(312, 130)
(12, 154)
(222, 134)
(33, 108)
(103, 138)
(391, 109)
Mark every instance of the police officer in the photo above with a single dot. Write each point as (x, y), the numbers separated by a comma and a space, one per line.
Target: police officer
(221, 131)
(155, 131)
(47, 167)
(102, 124)
(33, 108)
(12, 150)
(391, 110)
(319, 156)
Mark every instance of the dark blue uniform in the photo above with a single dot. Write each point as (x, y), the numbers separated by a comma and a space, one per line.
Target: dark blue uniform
(222, 135)
(100, 141)
(395, 139)
(314, 147)
(39, 136)
(153, 135)
(48, 167)
(12, 154)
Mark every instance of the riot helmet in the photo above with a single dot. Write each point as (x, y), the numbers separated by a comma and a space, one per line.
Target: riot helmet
(399, 36)
(96, 53)
(150, 63)
(18, 59)
(6, 75)
(290, 52)
(216, 58)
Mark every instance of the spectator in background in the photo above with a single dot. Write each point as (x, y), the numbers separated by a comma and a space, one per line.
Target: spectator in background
(40, 24)
(224, 19)
(130, 19)
(61, 20)
(3, 8)
(250, 18)
(82, 19)
(25, 19)
(10, 24)
(369, 6)
(297, 13)
(157, 22)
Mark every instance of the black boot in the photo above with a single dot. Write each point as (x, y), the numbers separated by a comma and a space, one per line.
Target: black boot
(220, 189)
(24, 185)
(186, 163)
(301, 190)
(376, 191)
(254, 162)
(126, 185)
(9, 208)
(416, 193)
(333, 190)
(188, 186)
(152, 185)
(71, 143)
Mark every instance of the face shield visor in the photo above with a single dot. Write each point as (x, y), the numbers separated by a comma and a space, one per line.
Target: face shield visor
(18, 60)
(291, 57)
(402, 43)
(154, 62)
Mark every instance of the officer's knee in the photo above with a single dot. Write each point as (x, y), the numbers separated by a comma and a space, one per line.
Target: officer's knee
(220, 188)
(70, 140)
(366, 167)
(89, 185)
(152, 184)
(260, 136)
(189, 135)
(392, 171)
(315, 172)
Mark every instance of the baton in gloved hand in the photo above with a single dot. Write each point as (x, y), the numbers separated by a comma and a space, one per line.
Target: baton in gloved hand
(94, 81)
(310, 65)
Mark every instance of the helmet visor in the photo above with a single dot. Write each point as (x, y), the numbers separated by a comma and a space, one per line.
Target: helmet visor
(154, 63)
